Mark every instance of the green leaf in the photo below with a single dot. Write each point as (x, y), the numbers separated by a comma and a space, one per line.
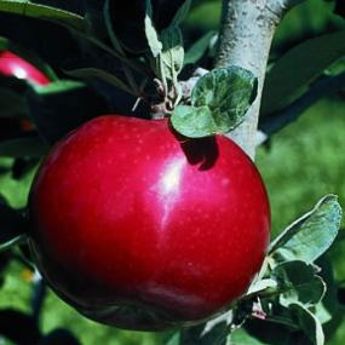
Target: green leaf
(322, 313)
(95, 73)
(311, 235)
(308, 322)
(29, 9)
(30, 146)
(193, 122)
(336, 68)
(12, 226)
(329, 306)
(262, 285)
(199, 48)
(175, 339)
(59, 87)
(182, 13)
(94, 41)
(298, 282)
(219, 100)
(152, 37)
(109, 25)
(226, 90)
(172, 55)
(292, 74)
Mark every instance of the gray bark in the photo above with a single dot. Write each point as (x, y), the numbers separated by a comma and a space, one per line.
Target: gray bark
(247, 29)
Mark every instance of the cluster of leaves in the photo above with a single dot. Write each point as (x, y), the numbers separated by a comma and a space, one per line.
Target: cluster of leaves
(206, 112)
(161, 49)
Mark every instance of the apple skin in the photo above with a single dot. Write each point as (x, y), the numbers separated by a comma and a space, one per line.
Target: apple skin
(12, 65)
(141, 229)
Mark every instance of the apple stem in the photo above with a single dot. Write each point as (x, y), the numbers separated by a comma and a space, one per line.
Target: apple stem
(168, 98)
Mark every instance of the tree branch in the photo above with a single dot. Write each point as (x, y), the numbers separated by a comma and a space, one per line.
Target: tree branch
(247, 29)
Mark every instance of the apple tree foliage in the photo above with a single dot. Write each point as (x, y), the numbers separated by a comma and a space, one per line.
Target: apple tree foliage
(131, 58)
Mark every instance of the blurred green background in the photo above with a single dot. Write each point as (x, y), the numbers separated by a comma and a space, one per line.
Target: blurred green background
(303, 162)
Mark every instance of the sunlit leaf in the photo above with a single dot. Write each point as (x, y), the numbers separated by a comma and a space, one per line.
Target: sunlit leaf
(311, 235)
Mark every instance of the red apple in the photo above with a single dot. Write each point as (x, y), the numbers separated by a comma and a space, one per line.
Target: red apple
(12, 65)
(140, 229)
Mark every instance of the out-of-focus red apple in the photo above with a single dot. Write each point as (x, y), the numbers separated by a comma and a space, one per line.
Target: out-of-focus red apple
(12, 65)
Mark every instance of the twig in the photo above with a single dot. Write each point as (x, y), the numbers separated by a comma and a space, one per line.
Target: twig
(188, 85)
(38, 296)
